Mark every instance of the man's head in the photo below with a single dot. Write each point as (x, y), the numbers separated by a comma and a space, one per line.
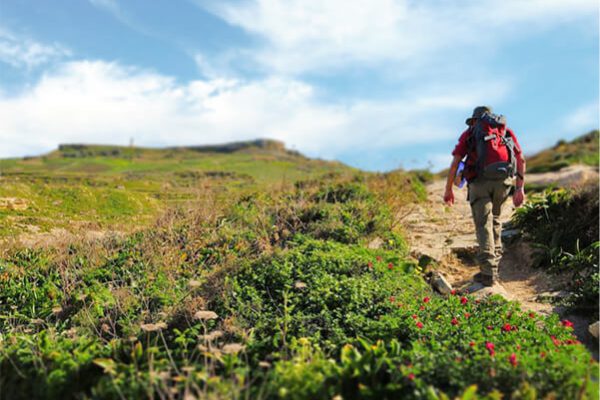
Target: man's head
(477, 113)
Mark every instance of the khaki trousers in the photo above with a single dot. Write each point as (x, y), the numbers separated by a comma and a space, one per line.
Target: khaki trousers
(486, 198)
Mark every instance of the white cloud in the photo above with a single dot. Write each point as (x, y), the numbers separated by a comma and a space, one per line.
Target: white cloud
(582, 118)
(19, 51)
(95, 101)
(316, 35)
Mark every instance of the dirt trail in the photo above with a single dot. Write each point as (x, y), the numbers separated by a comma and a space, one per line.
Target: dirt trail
(446, 234)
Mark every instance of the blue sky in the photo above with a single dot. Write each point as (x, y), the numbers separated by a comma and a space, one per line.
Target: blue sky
(377, 84)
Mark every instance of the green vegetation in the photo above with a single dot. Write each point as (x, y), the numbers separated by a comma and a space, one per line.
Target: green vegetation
(563, 225)
(110, 187)
(582, 150)
(270, 293)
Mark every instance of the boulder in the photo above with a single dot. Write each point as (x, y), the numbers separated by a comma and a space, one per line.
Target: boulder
(594, 329)
(375, 243)
(439, 283)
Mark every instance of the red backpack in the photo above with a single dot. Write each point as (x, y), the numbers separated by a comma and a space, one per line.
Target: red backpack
(494, 148)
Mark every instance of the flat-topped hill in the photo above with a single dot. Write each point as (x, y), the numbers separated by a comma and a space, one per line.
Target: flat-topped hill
(76, 150)
(112, 185)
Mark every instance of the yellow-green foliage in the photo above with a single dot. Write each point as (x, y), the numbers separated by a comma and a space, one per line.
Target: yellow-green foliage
(582, 150)
(117, 188)
(265, 294)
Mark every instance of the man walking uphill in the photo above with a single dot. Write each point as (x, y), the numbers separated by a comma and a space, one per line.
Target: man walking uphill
(493, 160)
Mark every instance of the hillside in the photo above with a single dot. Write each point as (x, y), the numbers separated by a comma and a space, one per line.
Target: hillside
(248, 271)
(101, 187)
(582, 150)
(303, 292)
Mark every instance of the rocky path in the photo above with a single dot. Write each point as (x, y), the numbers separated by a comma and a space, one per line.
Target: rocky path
(447, 235)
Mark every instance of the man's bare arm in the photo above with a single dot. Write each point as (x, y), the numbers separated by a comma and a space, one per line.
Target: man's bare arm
(449, 194)
(519, 195)
(520, 171)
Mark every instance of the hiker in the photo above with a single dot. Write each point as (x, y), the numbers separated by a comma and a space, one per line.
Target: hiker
(493, 159)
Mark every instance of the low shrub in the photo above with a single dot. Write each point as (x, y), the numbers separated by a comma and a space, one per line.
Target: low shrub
(270, 295)
(563, 226)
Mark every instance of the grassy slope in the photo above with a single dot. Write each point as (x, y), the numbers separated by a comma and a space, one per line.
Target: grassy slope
(582, 150)
(110, 187)
(294, 282)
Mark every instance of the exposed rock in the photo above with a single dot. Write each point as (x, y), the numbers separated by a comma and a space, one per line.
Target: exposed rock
(594, 329)
(480, 291)
(551, 296)
(375, 243)
(440, 283)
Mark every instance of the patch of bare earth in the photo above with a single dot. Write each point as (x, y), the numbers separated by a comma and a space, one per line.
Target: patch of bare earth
(34, 237)
(447, 235)
(571, 176)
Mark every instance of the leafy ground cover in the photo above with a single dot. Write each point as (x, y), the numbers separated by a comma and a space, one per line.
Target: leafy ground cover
(563, 225)
(270, 294)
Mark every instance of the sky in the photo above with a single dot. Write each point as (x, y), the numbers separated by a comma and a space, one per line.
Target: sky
(378, 84)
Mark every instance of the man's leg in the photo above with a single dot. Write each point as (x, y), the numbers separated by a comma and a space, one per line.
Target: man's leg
(500, 193)
(480, 197)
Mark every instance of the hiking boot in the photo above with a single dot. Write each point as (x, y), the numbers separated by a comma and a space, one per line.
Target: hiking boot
(485, 279)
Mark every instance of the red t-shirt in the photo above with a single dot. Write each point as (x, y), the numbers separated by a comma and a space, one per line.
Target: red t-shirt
(462, 149)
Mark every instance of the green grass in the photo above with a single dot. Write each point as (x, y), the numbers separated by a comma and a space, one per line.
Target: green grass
(115, 188)
(582, 150)
(295, 306)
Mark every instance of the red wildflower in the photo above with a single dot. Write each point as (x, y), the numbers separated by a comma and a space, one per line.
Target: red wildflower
(454, 321)
(463, 300)
(543, 354)
(419, 325)
(426, 300)
(411, 376)
(392, 299)
(390, 266)
(513, 359)
(567, 324)
(422, 308)
(555, 340)
(370, 264)
(379, 258)
(453, 292)
(507, 328)
(518, 347)
(490, 348)
(414, 316)
(489, 327)
(531, 315)
(472, 344)
(467, 315)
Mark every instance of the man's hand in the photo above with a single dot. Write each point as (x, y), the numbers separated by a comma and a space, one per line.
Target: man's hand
(449, 197)
(518, 196)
